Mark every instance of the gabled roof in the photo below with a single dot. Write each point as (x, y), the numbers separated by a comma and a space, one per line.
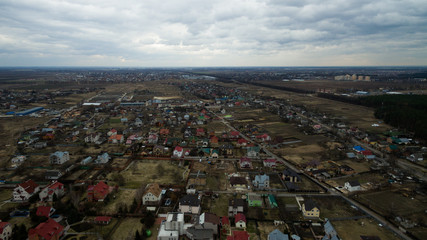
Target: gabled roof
(154, 189)
(225, 221)
(237, 202)
(240, 217)
(43, 211)
(240, 235)
(189, 200)
(262, 178)
(55, 185)
(211, 218)
(277, 235)
(102, 219)
(237, 180)
(309, 205)
(29, 186)
(3, 225)
(354, 183)
(47, 230)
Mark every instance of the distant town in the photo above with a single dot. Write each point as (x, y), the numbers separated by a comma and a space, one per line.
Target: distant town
(322, 153)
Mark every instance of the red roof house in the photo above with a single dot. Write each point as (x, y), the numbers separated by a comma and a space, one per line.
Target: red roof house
(45, 211)
(49, 230)
(239, 235)
(103, 220)
(5, 230)
(98, 192)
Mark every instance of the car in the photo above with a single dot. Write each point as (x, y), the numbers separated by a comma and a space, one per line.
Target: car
(168, 202)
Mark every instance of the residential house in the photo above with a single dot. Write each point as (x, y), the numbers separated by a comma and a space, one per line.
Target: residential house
(272, 201)
(5, 231)
(209, 221)
(253, 152)
(59, 157)
(271, 163)
(347, 170)
(330, 232)
(159, 150)
(45, 211)
(92, 137)
(264, 137)
(138, 122)
(189, 204)
(352, 186)
(102, 220)
(310, 209)
(227, 149)
(103, 158)
(238, 235)
(86, 161)
(54, 189)
(152, 194)
(23, 191)
(18, 160)
(112, 132)
(116, 139)
(290, 175)
(234, 135)
(200, 132)
(225, 226)
(238, 182)
(98, 192)
(52, 174)
(245, 162)
(178, 152)
(49, 230)
(153, 138)
(235, 206)
(214, 141)
(240, 220)
(172, 228)
(261, 181)
(241, 142)
(276, 234)
(164, 132)
(254, 200)
(416, 157)
(196, 233)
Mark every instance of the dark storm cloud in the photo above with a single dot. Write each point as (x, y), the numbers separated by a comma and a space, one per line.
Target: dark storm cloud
(226, 32)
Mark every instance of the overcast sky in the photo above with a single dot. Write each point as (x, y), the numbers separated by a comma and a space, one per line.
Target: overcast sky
(158, 33)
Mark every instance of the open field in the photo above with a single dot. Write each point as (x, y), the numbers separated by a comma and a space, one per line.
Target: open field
(352, 229)
(144, 172)
(335, 207)
(121, 197)
(10, 131)
(127, 227)
(355, 115)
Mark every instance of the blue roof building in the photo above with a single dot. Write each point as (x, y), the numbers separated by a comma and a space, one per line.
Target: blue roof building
(262, 181)
(277, 235)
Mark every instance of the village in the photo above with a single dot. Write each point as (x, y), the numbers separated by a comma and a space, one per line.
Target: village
(196, 158)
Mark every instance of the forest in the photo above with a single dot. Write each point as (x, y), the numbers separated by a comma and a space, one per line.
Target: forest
(408, 112)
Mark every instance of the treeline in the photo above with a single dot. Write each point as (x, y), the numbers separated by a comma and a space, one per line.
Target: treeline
(289, 89)
(402, 111)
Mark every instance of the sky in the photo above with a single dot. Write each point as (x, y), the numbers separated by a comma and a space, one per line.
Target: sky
(175, 33)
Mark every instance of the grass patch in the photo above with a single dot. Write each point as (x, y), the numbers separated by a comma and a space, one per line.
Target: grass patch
(127, 228)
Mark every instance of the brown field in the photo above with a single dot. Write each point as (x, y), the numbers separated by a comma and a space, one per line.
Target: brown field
(144, 172)
(352, 229)
(122, 196)
(357, 166)
(10, 131)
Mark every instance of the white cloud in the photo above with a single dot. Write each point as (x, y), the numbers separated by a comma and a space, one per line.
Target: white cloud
(218, 32)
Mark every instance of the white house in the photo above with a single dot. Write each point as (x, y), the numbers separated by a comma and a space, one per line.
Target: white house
(178, 152)
(172, 228)
(55, 188)
(103, 158)
(240, 220)
(59, 157)
(18, 160)
(5, 231)
(352, 186)
(23, 191)
(92, 137)
(152, 195)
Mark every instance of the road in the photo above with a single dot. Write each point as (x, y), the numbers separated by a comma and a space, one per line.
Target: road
(331, 190)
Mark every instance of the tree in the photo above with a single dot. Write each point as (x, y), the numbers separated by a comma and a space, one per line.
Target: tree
(148, 220)
(137, 235)
(19, 232)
